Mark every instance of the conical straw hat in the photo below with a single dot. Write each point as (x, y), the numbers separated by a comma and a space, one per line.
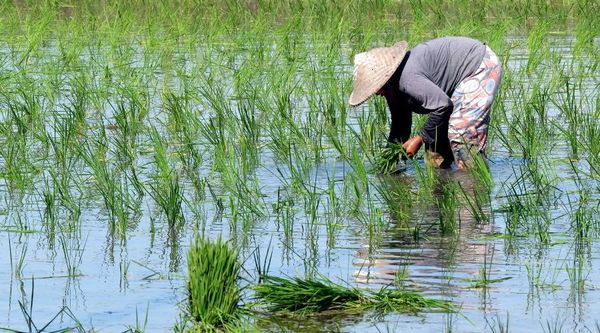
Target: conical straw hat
(372, 69)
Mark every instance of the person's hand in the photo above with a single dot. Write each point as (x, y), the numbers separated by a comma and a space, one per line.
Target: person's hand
(412, 145)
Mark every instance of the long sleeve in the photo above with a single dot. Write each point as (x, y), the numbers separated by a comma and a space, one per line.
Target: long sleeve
(428, 96)
(401, 119)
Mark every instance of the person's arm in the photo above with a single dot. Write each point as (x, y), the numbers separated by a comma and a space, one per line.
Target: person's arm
(401, 119)
(435, 101)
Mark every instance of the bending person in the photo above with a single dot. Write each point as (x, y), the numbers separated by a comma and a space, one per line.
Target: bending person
(453, 79)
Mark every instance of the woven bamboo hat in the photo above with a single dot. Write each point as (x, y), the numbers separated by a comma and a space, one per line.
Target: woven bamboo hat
(372, 69)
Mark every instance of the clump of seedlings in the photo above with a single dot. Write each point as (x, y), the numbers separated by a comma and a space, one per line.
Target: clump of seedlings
(213, 290)
(386, 161)
(307, 296)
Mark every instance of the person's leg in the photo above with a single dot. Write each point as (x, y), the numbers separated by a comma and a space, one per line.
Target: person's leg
(472, 98)
(439, 153)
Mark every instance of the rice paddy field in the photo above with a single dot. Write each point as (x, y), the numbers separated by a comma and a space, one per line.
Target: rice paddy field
(194, 166)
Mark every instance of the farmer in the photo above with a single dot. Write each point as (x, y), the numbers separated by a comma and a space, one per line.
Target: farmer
(453, 79)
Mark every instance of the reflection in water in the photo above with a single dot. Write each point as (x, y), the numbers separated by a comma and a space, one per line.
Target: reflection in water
(420, 249)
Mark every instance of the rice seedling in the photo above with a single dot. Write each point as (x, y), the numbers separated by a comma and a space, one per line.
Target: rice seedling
(285, 216)
(427, 178)
(398, 198)
(63, 315)
(388, 158)
(567, 104)
(578, 273)
(114, 193)
(18, 264)
(199, 105)
(72, 253)
(484, 281)
(168, 195)
(128, 116)
(140, 326)
(213, 290)
(306, 296)
(498, 326)
(555, 326)
(448, 203)
(477, 203)
(166, 190)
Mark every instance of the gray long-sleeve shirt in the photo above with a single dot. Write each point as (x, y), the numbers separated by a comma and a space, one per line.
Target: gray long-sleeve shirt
(426, 80)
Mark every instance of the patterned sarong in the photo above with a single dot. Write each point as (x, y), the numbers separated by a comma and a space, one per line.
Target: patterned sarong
(472, 98)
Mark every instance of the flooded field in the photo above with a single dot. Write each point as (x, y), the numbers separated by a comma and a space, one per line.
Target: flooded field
(118, 145)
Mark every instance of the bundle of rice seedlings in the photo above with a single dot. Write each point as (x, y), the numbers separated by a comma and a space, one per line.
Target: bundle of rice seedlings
(306, 295)
(386, 161)
(213, 292)
(405, 301)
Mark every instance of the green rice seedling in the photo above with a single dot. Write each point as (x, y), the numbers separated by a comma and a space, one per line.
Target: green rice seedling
(61, 190)
(447, 203)
(529, 202)
(388, 300)
(498, 326)
(591, 137)
(298, 168)
(386, 161)
(140, 326)
(19, 167)
(397, 196)
(537, 281)
(477, 203)
(485, 272)
(284, 132)
(213, 290)
(427, 178)
(168, 195)
(249, 127)
(355, 189)
(308, 296)
(262, 263)
(248, 196)
(578, 273)
(368, 133)
(279, 141)
(115, 195)
(566, 101)
(186, 126)
(480, 172)
(333, 211)
(129, 114)
(540, 174)
(213, 131)
(513, 215)
(73, 253)
(582, 219)
(537, 45)
(50, 208)
(63, 145)
(524, 131)
(18, 264)
(64, 314)
(25, 108)
(161, 160)
(554, 327)
(128, 118)
(285, 216)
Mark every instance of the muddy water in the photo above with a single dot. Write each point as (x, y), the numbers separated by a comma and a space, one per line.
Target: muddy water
(540, 285)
